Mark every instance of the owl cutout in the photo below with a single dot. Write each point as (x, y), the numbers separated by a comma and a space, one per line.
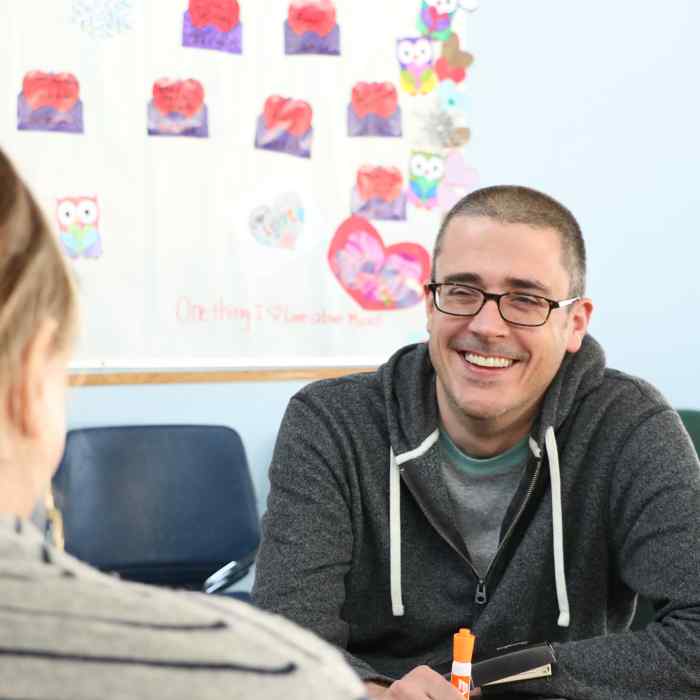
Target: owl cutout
(78, 222)
(435, 18)
(415, 55)
(426, 170)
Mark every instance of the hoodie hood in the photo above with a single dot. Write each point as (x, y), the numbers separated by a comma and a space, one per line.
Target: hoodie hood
(413, 431)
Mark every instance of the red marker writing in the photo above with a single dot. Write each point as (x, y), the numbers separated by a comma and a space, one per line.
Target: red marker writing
(462, 649)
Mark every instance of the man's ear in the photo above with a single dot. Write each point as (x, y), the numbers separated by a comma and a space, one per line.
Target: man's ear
(28, 392)
(578, 323)
(429, 307)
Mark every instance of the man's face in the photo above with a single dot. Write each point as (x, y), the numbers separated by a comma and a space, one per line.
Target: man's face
(491, 375)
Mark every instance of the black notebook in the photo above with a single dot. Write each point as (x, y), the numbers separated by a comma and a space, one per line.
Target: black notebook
(517, 663)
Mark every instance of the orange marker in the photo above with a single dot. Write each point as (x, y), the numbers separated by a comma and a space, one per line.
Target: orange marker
(463, 647)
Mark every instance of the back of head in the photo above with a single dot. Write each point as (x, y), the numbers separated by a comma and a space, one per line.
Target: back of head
(513, 204)
(35, 282)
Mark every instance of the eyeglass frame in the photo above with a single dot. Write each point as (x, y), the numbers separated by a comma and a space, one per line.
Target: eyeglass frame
(488, 296)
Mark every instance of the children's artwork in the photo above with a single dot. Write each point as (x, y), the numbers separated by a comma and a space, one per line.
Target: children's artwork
(377, 277)
(78, 221)
(459, 180)
(415, 55)
(50, 102)
(285, 126)
(445, 128)
(102, 19)
(435, 18)
(374, 110)
(378, 194)
(311, 27)
(178, 109)
(213, 24)
(278, 224)
(425, 172)
(453, 62)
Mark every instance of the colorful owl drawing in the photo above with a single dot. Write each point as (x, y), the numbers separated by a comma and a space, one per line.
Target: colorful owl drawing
(435, 18)
(425, 172)
(415, 56)
(78, 222)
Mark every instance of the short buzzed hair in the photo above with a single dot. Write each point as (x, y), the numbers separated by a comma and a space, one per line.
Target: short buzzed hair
(513, 204)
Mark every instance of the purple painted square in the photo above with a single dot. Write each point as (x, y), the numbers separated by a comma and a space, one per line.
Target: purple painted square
(378, 208)
(310, 42)
(49, 118)
(277, 139)
(175, 124)
(374, 124)
(211, 37)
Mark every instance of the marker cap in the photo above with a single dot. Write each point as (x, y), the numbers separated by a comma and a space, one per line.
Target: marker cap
(463, 645)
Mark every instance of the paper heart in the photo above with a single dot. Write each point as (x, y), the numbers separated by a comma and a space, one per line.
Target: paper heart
(446, 72)
(222, 14)
(384, 183)
(374, 98)
(378, 278)
(279, 224)
(286, 114)
(316, 16)
(180, 96)
(454, 55)
(57, 90)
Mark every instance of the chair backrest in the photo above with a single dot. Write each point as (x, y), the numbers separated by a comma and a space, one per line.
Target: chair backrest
(691, 420)
(166, 504)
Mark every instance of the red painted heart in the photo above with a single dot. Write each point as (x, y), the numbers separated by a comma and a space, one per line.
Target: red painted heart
(222, 14)
(286, 114)
(445, 71)
(374, 98)
(311, 16)
(378, 278)
(57, 90)
(180, 96)
(384, 183)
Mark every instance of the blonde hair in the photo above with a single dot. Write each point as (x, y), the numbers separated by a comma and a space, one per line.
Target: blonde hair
(35, 283)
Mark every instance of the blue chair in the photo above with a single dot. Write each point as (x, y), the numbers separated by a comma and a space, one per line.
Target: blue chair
(161, 504)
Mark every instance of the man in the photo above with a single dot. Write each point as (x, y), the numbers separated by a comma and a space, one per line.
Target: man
(501, 479)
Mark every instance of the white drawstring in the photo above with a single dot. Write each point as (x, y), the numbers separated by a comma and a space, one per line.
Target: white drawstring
(397, 608)
(550, 442)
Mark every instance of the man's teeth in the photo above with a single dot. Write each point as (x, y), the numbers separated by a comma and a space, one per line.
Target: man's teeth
(482, 361)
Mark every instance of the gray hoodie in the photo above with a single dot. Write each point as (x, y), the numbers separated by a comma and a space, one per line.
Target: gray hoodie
(360, 543)
(68, 632)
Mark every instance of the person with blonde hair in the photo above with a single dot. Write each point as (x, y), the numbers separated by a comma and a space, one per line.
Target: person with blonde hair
(67, 630)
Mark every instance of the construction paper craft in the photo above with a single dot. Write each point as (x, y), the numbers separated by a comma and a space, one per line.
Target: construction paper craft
(459, 180)
(278, 225)
(435, 18)
(444, 129)
(451, 98)
(285, 126)
(311, 27)
(425, 172)
(78, 221)
(378, 278)
(453, 62)
(102, 19)
(378, 194)
(50, 102)
(415, 55)
(178, 109)
(374, 110)
(213, 24)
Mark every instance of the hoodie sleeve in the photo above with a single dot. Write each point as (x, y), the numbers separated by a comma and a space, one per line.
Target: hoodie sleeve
(654, 531)
(307, 538)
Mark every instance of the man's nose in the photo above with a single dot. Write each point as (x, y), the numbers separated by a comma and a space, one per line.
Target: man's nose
(489, 320)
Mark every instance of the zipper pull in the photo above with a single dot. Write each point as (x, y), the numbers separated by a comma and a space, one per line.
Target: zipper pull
(480, 597)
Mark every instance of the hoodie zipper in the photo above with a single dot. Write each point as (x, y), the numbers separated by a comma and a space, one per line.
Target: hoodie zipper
(481, 596)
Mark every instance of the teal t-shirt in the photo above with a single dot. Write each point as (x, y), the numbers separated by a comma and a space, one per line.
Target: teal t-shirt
(481, 490)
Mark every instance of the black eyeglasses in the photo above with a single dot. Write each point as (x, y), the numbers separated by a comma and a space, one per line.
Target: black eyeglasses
(515, 307)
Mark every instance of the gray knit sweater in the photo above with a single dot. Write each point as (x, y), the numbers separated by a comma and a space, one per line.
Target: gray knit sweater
(630, 505)
(68, 632)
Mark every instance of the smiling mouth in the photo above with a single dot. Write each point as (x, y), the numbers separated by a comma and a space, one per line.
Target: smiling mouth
(488, 361)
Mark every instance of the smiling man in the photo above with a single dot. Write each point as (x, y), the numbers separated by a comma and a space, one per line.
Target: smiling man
(499, 477)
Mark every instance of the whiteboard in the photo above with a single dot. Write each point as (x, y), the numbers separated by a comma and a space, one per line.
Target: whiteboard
(183, 277)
